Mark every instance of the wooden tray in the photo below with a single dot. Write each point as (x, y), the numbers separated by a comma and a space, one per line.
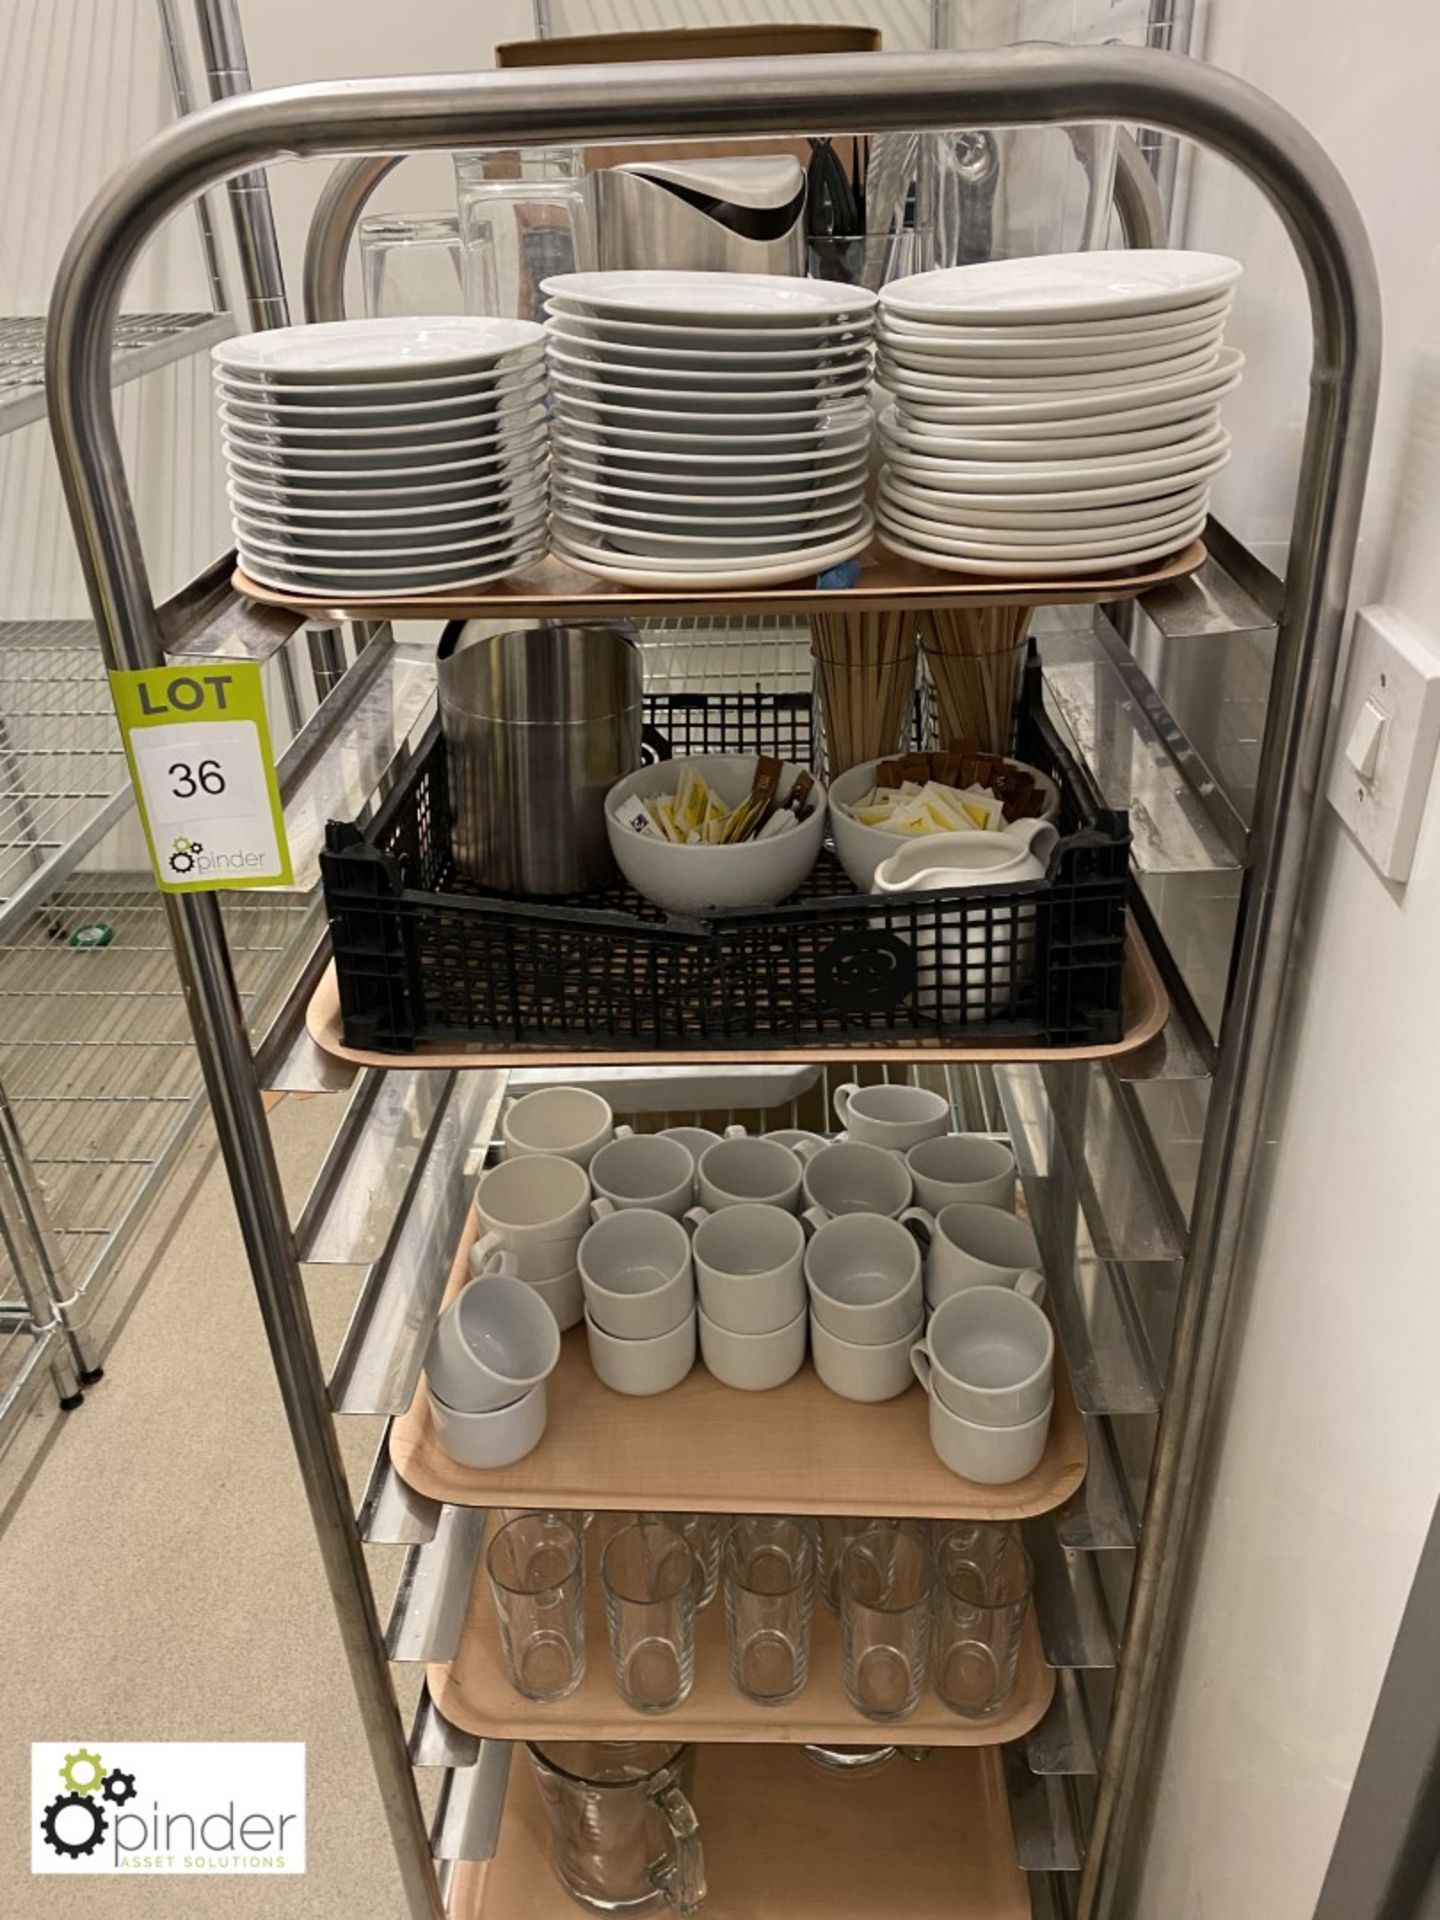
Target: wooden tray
(708, 1448)
(1145, 1002)
(785, 1840)
(474, 1691)
(554, 590)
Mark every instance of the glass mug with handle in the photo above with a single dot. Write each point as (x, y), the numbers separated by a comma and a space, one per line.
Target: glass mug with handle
(623, 1833)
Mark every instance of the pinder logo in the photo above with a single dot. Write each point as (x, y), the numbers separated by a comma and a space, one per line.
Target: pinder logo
(168, 1807)
(183, 854)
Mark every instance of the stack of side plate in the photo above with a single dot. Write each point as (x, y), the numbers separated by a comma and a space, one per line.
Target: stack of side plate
(1055, 414)
(384, 457)
(710, 429)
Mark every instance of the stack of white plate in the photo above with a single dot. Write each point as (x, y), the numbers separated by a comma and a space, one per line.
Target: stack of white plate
(1053, 415)
(709, 428)
(391, 456)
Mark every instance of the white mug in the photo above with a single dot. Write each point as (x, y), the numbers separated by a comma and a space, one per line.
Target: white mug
(564, 1296)
(863, 1273)
(989, 1354)
(855, 1372)
(571, 1122)
(642, 1366)
(847, 1176)
(694, 1139)
(492, 1344)
(749, 1266)
(962, 1166)
(642, 1170)
(535, 1206)
(975, 1246)
(491, 1439)
(891, 1114)
(796, 1138)
(635, 1269)
(753, 1362)
(993, 1456)
(740, 1170)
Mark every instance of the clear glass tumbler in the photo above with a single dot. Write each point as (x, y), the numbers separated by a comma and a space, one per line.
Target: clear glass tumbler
(982, 1588)
(523, 216)
(885, 1577)
(651, 1581)
(705, 1532)
(836, 1531)
(411, 263)
(537, 1575)
(769, 1567)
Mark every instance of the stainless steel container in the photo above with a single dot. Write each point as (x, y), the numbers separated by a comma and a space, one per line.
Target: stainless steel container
(539, 724)
(744, 214)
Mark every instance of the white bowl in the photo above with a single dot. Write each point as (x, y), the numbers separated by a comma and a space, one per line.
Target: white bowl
(862, 848)
(700, 880)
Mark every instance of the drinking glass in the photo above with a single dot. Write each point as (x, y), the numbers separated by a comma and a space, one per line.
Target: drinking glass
(411, 263)
(523, 216)
(580, 1518)
(837, 1530)
(885, 1619)
(651, 1580)
(769, 1567)
(704, 1533)
(982, 1587)
(537, 1576)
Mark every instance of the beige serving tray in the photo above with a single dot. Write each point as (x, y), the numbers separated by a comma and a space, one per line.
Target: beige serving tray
(785, 1840)
(708, 1448)
(1146, 1007)
(474, 1690)
(554, 590)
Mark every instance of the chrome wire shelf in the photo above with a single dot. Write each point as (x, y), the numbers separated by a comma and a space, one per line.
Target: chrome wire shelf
(143, 342)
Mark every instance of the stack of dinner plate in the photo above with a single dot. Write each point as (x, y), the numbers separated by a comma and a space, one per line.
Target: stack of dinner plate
(709, 428)
(1055, 415)
(383, 457)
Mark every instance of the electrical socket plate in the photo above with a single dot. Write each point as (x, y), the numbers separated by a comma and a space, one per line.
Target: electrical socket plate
(1389, 721)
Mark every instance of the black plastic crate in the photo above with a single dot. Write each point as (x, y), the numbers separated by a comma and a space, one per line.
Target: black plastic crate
(423, 954)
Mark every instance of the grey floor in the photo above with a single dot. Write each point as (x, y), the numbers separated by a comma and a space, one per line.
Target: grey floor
(158, 1575)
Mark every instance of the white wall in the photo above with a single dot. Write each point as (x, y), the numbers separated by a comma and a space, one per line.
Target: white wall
(1326, 1464)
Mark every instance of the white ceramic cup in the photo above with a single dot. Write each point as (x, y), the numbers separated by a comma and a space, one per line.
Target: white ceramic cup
(564, 1296)
(891, 1115)
(990, 1455)
(642, 1366)
(495, 1341)
(989, 1354)
(491, 1439)
(635, 1269)
(856, 1372)
(535, 1206)
(796, 1138)
(975, 1246)
(863, 1274)
(739, 1170)
(694, 1139)
(642, 1170)
(571, 1122)
(754, 1362)
(955, 1167)
(846, 1176)
(749, 1266)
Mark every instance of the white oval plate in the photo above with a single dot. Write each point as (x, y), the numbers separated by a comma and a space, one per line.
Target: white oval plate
(571, 519)
(1006, 476)
(1000, 443)
(585, 476)
(754, 299)
(1122, 407)
(1031, 569)
(368, 349)
(1065, 286)
(1097, 492)
(1015, 336)
(700, 348)
(1177, 533)
(606, 565)
(1060, 521)
(991, 543)
(850, 374)
(1027, 377)
(329, 583)
(1066, 353)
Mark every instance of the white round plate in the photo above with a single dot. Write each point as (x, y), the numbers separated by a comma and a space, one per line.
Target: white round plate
(1122, 407)
(713, 526)
(1000, 443)
(346, 583)
(1065, 286)
(782, 413)
(964, 390)
(319, 506)
(1066, 353)
(824, 336)
(1175, 533)
(739, 496)
(851, 373)
(493, 416)
(1030, 569)
(635, 455)
(1098, 493)
(1017, 334)
(944, 510)
(474, 405)
(704, 347)
(998, 543)
(363, 455)
(460, 523)
(414, 476)
(414, 390)
(606, 565)
(571, 520)
(290, 553)
(818, 443)
(390, 348)
(1005, 476)
(751, 299)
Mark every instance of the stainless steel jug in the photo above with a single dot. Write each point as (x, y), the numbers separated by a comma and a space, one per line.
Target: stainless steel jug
(539, 724)
(623, 1832)
(743, 214)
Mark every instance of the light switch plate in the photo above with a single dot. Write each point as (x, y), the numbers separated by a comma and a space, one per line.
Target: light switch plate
(1396, 669)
